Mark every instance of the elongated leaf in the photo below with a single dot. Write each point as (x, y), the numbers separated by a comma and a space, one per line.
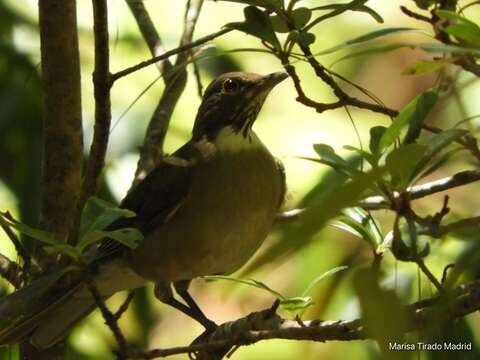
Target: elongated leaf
(328, 156)
(44, 236)
(402, 162)
(323, 276)
(415, 112)
(425, 66)
(98, 214)
(467, 33)
(296, 304)
(438, 143)
(368, 37)
(360, 8)
(376, 134)
(351, 5)
(130, 237)
(64, 249)
(451, 15)
(275, 5)
(249, 282)
(258, 24)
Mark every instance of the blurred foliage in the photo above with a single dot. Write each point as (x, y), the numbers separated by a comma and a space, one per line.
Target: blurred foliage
(385, 252)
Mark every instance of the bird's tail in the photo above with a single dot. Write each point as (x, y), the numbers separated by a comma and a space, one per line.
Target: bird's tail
(39, 313)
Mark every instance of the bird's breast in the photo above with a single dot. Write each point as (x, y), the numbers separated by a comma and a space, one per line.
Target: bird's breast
(228, 212)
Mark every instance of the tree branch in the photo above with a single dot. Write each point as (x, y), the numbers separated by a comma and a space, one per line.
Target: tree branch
(415, 192)
(11, 271)
(101, 89)
(144, 64)
(257, 327)
(63, 139)
(175, 78)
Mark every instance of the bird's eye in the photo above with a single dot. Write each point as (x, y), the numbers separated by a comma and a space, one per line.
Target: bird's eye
(230, 86)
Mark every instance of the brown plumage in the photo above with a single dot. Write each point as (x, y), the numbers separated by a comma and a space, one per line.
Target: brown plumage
(205, 210)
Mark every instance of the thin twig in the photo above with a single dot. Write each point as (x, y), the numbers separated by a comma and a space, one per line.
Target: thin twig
(11, 271)
(16, 241)
(422, 314)
(108, 316)
(175, 79)
(102, 85)
(180, 49)
(415, 192)
(124, 307)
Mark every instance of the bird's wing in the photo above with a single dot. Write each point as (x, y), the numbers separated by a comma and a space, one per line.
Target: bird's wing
(283, 177)
(155, 199)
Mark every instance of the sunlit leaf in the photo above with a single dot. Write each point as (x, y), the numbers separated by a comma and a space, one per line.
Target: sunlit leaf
(99, 214)
(438, 143)
(323, 276)
(368, 37)
(349, 6)
(402, 162)
(328, 156)
(257, 24)
(250, 282)
(44, 236)
(424, 66)
(275, 5)
(296, 304)
(415, 112)
(360, 8)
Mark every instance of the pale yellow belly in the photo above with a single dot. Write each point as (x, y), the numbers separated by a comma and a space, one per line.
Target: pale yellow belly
(226, 216)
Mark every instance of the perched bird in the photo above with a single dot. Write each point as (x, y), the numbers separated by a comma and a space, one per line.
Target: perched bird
(204, 210)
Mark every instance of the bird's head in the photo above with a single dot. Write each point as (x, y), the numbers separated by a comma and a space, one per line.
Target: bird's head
(233, 99)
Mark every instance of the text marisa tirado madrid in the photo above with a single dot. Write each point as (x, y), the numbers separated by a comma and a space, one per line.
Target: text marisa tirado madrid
(435, 346)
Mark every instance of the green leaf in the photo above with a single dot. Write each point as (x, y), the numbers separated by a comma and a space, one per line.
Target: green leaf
(129, 237)
(296, 304)
(402, 162)
(329, 157)
(275, 5)
(368, 37)
(416, 111)
(376, 134)
(250, 282)
(64, 249)
(349, 6)
(300, 16)
(385, 317)
(424, 66)
(99, 214)
(43, 236)
(459, 19)
(359, 223)
(425, 4)
(363, 154)
(257, 24)
(438, 143)
(323, 276)
(463, 32)
(360, 8)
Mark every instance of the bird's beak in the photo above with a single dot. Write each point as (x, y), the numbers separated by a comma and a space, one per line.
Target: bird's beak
(269, 81)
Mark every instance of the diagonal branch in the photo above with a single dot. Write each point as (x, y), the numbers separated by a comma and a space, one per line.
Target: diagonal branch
(175, 78)
(415, 192)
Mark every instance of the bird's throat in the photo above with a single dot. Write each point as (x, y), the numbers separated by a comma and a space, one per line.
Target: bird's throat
(231, 140)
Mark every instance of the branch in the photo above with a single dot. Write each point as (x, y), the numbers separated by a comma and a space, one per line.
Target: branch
(11, 271)
(149, 33)
(101, 89)
(62, 115)
(415, 192)
(420, 191)
(257, 327)
(144, 64)
(175, 79)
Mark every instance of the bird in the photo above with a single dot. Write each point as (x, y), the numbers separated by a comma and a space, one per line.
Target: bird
(203, 210)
